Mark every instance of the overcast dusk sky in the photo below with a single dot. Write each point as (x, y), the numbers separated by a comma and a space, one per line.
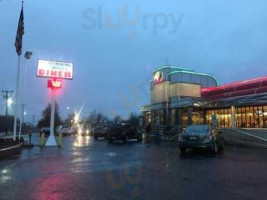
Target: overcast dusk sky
(115, 46)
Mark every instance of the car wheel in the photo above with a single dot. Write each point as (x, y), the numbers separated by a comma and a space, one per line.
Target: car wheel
(183, 150)
(95, 138)
(110, 140)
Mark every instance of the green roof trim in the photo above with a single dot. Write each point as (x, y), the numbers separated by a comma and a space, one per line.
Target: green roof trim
(196, 73)
(173, 67)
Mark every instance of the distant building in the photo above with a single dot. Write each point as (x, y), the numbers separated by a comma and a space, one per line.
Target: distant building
(181, 97)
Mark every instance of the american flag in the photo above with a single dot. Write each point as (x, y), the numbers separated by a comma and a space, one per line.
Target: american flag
(20, 32)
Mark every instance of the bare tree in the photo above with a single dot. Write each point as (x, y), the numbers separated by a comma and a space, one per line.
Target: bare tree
(117, 119)
(45, 121)
(133, 119)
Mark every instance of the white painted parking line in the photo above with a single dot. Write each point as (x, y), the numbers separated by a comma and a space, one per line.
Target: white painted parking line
(245, 133)
(111, 154)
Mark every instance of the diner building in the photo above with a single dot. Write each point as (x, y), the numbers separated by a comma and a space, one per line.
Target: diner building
(181, 97)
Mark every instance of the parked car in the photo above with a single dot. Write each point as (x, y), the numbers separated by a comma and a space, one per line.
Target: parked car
(73, 131)
(100, 131)
(201, 136)
(45, 130)
(123, 132)
(64, 129)
(82, 130)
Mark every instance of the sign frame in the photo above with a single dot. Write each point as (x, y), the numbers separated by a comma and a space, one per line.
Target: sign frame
(51, 76)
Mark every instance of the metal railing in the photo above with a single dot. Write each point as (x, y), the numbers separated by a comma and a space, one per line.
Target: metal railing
(168, 132)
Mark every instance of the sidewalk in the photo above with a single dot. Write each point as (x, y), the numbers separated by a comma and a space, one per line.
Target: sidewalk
(246, 137)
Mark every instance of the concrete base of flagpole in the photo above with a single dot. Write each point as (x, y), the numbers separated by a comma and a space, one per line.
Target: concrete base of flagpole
(51, 141)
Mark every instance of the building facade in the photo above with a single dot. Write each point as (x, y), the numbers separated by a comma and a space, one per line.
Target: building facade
(181, 97)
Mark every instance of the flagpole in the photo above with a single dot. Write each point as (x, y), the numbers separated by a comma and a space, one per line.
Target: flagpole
(16, 101)
(18, 45)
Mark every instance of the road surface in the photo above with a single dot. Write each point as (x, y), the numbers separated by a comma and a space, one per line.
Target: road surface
(87, 169)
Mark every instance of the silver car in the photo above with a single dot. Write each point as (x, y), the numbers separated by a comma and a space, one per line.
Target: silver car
(201, 136)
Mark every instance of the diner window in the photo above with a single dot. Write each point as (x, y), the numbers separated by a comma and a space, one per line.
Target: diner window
(238, 117)
(265, 117)
(260, 113)
(227, 118)
(172, 117)
(197, 117)
(184, 118)
(243, 116)
(208, 117)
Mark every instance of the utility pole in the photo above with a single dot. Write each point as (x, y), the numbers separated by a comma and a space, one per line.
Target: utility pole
(33, 123)
(6, 97)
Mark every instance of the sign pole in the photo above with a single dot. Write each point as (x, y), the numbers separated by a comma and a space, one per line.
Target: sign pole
(21, 119)
(56, 70)
(16, 101)
(51, 141)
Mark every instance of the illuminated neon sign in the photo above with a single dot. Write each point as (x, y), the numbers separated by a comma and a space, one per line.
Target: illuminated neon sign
(158, 77)
(54, 84)
(55, 69)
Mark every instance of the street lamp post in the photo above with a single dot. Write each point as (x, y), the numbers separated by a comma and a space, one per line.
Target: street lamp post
(27, 56)
(22, 119)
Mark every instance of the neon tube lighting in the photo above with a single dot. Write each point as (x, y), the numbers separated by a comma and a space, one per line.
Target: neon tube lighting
(229, 85)
(173, 67)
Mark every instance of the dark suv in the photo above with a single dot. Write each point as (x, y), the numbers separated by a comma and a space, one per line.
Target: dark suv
(123, 132)
(100, 131)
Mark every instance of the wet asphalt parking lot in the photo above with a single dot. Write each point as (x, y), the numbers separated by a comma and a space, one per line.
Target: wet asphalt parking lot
(87, 169)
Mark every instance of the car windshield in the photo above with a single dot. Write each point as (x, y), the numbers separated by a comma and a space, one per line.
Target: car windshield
(197, 129)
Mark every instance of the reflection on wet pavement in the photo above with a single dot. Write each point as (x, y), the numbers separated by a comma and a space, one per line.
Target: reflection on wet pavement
(87, 169)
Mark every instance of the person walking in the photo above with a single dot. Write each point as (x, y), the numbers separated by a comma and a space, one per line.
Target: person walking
(30, 137)
(148, 129)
